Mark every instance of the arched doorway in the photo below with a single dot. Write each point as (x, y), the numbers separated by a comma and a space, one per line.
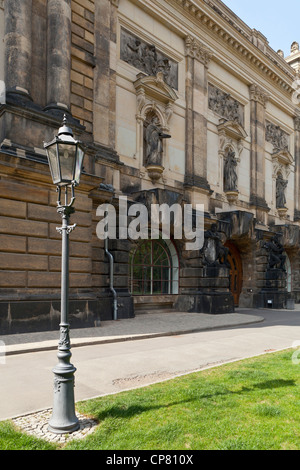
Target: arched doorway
(236, 272)
(154, 268)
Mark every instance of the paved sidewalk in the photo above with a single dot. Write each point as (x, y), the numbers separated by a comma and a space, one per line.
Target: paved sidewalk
(142, 326)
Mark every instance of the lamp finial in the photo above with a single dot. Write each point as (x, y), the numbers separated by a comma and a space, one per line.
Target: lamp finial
(65, 129)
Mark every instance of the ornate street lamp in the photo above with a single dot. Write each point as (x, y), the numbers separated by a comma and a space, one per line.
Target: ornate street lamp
(65, 157)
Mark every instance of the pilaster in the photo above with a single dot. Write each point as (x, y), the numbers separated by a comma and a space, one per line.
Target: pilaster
(198, 57)
(18, 47)
(105, 73)
(258, 102)
(58, 55)
(297, 167)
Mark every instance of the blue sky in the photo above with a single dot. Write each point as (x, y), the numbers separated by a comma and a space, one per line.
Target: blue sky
(278, 20)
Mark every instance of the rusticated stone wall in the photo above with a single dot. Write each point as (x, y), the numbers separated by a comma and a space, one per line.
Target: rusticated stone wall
(30, 246)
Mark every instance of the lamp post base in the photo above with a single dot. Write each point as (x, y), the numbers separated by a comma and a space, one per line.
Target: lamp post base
(64, 430)
(64, 419)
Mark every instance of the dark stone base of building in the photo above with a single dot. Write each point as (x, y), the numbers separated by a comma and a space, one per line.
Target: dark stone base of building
(273, 295)
(212, 303)
(44, 315)
(272, 299)
(214, 297)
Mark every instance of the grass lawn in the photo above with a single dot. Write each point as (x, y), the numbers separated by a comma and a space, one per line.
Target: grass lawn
(248, 405)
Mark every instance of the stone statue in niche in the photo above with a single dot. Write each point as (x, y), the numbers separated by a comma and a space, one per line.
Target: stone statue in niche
(154, 142)
(147, 58)
(230, 175)
(276, 256)
(215, 253)
(281, 186)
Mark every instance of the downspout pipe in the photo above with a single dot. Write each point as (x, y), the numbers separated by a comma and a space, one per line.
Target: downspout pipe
(111, 280)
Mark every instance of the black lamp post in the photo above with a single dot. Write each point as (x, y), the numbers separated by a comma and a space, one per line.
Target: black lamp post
(65, 157)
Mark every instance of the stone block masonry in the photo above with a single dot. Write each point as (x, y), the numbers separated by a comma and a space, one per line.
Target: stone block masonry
(31, 247)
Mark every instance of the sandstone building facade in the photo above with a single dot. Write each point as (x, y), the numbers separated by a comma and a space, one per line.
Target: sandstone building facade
(228, 107)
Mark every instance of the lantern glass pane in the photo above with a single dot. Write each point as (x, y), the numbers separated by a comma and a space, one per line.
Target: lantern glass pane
(67, 153)
(79, 161)
(53, 163)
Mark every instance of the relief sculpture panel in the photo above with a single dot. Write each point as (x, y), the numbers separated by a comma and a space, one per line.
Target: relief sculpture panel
(146, 58)
(224, 105)
(277, 137)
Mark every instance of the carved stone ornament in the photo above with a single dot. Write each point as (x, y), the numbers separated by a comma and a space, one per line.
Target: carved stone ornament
(153, 87)
(258, 94)
(282, 212)
(231, 131)
(197, 50)
(277, 137)
(146, 58)
(275, 251)
(224, 105)
(155, 172)
(232, 196)
(214, 253)
(294, 47)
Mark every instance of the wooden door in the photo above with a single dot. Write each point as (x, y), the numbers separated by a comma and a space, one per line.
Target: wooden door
(236, 272)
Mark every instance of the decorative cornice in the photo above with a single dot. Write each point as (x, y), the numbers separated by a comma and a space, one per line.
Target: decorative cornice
(272, 65)
(197, 50)
(258, 94)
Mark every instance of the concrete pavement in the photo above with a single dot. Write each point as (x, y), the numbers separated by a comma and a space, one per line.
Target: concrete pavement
(143, 326)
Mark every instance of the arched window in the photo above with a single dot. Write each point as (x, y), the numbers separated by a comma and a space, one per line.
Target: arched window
(154, 268)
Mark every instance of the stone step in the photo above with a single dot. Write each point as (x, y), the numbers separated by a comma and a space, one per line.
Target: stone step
(158, 310)
(154, 304)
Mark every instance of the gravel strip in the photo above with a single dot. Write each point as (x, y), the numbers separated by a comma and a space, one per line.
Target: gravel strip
(36, 424)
